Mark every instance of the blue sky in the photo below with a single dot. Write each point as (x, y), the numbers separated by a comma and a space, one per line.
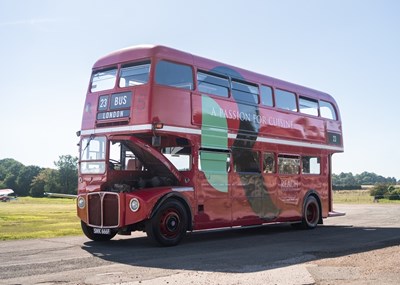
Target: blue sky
(349, 49)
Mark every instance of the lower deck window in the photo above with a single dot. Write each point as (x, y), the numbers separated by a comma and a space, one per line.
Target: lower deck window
(246, 161)
(288, 164)
(180, 157)
(311, 165)
(214, 161)
(269, 163)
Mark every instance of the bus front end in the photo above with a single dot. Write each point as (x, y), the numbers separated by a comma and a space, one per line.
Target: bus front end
(122, 180)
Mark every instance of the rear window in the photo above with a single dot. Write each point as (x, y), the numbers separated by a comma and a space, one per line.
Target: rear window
(308, 106)
(327, 110)
(174, 75)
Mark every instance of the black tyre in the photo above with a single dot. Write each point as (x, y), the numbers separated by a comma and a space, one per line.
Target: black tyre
(168, 225)
(89, 233)
(311, 213)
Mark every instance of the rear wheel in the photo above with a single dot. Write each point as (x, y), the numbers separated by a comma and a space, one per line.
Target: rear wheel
(89, 233)
(168, 226)
(311, 214)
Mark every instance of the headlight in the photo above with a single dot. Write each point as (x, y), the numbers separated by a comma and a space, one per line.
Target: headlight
(81, 202)
(134, 205)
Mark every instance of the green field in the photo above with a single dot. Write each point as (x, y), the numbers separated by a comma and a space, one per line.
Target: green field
(29, 217)
(357, 197)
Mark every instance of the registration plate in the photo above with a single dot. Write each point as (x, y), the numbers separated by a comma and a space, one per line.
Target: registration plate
(99, 231)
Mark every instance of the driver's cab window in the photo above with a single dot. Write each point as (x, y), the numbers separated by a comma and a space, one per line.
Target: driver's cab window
(121, 158)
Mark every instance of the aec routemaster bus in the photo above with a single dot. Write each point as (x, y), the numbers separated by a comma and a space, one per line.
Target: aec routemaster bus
(172, 142)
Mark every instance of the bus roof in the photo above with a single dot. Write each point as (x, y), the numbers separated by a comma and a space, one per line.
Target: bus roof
(139, 52)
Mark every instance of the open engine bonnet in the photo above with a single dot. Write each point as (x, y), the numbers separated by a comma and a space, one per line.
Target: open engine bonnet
(152, 159)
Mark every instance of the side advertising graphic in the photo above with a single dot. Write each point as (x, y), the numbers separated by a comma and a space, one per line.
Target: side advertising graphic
(214, 135)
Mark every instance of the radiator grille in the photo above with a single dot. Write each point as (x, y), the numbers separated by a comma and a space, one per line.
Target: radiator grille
(103, 209)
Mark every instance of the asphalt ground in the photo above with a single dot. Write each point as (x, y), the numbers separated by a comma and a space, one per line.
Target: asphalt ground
(273, 254)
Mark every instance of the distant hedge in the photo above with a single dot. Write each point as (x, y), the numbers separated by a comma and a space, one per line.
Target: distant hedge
(346, 187)
(385, 191)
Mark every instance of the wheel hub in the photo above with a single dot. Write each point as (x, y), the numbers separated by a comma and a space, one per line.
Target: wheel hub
(172, 224)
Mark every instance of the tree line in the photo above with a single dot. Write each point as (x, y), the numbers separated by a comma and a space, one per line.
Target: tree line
(350, 181)
(35, 181)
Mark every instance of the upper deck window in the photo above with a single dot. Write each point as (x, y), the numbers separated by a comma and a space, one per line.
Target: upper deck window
(327, 110)
(175, 75)
(285, 100)
(266, 96)
(103, 80)
(213, 84)
(308, 106)
(134, 74)
(244, 91)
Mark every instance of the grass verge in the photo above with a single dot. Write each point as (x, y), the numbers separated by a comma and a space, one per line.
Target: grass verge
(27, 218)
(358, 197)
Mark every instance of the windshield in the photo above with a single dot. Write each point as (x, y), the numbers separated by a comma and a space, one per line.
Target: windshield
(93, 154)
(103, 80)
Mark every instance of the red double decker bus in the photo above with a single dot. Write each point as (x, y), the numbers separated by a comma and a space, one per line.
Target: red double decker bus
(172, 142)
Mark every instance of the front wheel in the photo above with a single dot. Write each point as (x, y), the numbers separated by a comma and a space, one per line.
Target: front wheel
(89, 233)
(168, 226)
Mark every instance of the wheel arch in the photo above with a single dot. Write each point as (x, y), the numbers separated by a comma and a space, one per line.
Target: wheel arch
(179, 197)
